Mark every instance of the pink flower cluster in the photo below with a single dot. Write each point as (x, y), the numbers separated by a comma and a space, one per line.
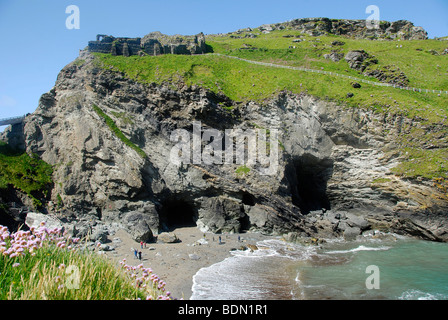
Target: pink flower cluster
(147, 281)
(22, 242)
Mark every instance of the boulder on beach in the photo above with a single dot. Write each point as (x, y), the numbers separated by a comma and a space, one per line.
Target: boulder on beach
(35, 219)
(136, 224)
(252, 247)
(167, 237)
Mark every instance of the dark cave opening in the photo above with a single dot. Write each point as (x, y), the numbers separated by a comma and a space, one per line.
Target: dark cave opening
(244, 223)
(176, 213)
(310, 184)
(248, 199)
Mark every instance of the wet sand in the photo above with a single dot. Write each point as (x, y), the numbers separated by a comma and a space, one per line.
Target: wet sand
(177, 263)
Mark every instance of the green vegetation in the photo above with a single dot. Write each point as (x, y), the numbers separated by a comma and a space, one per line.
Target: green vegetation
(24, 172)
(242, 171)
(414, 58)
(420, 60)
(43, 264)
(123, 117)
(423, 163)
(112, 126)
(59, 202)
(381, 180)
(41, 277)
(79, 62)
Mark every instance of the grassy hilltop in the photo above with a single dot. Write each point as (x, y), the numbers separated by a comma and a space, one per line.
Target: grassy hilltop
(422, 61)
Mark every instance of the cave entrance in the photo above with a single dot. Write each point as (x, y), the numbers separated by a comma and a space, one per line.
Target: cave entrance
(177, 213)
(248, 200)
(244, 223)
(310, 187)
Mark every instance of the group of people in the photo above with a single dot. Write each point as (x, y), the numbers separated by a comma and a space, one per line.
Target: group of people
(137, 253)
(220, 239)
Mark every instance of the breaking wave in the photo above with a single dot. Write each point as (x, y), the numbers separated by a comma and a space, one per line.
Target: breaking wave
(360, 248)
(409, 270)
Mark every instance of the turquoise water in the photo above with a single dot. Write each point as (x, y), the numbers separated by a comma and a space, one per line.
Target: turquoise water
(407, 269)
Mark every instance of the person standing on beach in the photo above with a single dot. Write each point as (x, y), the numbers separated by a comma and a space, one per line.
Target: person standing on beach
(140, 255)
(141, 244)
(135, 253)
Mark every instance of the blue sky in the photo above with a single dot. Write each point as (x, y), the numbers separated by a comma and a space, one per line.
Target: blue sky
(36, 45)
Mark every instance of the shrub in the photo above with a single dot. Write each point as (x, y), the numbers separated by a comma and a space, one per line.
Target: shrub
(25, 172)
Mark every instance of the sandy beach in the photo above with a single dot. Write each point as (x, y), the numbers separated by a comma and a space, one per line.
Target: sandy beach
(177, 263)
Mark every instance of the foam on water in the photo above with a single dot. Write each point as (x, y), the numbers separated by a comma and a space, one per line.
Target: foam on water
(420, 295)
(360, 248)
(260, 274)
(409, 269)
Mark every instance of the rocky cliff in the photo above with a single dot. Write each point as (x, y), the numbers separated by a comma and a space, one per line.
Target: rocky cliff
(401, 29)
(114, 168)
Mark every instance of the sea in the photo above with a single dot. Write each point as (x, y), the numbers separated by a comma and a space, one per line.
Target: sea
(374, 267)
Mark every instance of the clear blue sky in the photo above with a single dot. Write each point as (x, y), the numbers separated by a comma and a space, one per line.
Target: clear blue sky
(36, 45)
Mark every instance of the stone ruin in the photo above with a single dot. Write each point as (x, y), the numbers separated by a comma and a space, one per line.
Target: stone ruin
(153, 44)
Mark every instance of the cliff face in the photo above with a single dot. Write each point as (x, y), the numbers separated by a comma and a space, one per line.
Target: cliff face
(333, 176)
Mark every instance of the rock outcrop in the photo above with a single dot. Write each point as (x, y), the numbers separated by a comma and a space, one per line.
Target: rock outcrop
(389, 74)
(365, 63)
(360, 60)
(329, 159)
(401, 29)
